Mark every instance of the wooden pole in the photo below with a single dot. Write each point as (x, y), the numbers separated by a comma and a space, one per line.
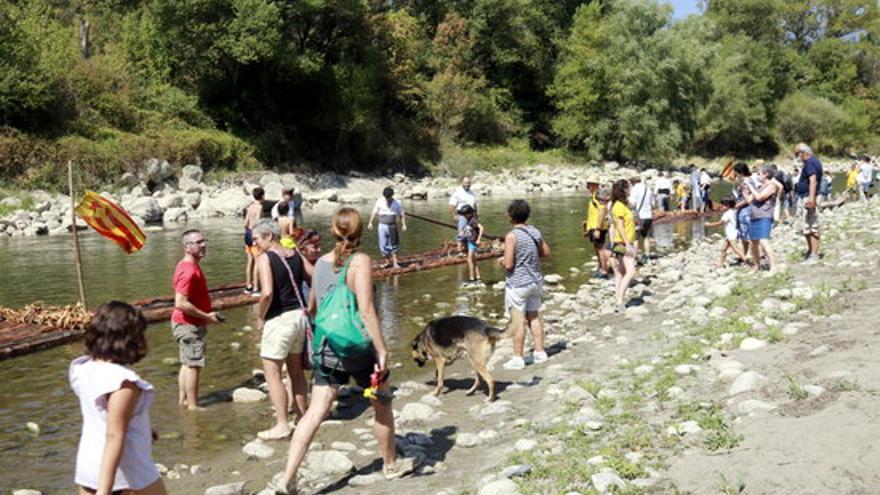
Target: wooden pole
(79, 271)
(445, 224)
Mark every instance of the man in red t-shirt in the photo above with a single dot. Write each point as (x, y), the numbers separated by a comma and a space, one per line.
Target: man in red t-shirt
(192, 313)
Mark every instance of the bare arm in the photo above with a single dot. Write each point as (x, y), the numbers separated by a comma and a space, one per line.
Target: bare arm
(764, 193)
(480, 231)
(264, 270)
(372, 217)
(182, 303)
(508, 259)
(360, 278)
(403, 220)
(452, 211)
(544, 251)
(120, 409)
(313, 302)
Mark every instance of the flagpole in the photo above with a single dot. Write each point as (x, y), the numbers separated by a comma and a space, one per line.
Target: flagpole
(79, 271)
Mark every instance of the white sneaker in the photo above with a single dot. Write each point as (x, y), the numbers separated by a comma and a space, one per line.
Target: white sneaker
(539, 357)
(515, 363)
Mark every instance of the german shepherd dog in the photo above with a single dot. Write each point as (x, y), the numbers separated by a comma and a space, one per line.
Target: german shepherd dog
(445, 339)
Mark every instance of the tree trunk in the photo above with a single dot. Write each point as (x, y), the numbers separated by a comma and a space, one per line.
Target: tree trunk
(84, 47)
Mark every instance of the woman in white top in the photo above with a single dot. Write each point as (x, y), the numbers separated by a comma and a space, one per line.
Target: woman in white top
(116, 442)
(389, 211)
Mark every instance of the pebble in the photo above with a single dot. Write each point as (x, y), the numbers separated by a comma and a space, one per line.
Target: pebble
(497, 407)
(814, 390)
(467, 440)
(747, 382)
(754, 406)
(33, 427)
(822, 349)
(751, 343)
(689, 428)
(516, 470)
(415, 411)
(258, 449)
(365, 479)
(26, 491)
(500, 487)
(329, 462)
(525, 445)
(344, 446)
(228, 489)
(431, 400)
(488, 435)
(244, 394)
(643, 369)
(686, 369)
(162, 469)
(596, 460)
(603, 482)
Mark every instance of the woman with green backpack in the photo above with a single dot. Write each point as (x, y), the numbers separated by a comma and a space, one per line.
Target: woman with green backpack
(347, 344)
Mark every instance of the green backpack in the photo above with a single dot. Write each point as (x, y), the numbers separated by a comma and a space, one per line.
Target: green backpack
(338, 323)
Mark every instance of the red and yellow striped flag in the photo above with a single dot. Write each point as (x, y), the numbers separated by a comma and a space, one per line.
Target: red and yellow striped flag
(111, 221)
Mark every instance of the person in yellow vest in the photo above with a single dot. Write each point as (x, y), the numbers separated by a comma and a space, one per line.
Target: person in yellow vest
(595, 227)
(624, 249)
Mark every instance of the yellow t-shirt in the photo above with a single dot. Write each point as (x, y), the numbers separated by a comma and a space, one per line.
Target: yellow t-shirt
(680, 191)
(593, 220)
(852, 178)
(622, 211)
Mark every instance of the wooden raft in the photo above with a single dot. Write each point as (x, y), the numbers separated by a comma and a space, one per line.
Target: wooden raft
(20, 338)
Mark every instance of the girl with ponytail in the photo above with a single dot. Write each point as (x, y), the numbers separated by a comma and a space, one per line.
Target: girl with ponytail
(330, 371)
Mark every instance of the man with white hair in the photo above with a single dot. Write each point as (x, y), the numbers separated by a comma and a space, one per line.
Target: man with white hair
(807, 189)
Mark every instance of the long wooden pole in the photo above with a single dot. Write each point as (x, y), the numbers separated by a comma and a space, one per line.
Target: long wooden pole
(445, 224)
(79, 270)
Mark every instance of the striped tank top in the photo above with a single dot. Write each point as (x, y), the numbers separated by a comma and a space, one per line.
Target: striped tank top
(527, 260)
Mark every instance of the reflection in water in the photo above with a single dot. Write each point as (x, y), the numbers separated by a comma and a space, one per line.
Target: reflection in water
(663, 236)
(386, 303)
(698, 229)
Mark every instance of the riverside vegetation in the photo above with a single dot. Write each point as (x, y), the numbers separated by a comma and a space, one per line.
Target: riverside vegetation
(243, 84)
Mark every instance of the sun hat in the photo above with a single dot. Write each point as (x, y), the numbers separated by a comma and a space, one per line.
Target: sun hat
(593, 179)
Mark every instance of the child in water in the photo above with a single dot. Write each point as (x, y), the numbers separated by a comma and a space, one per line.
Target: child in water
(728, 220)
(472, 233)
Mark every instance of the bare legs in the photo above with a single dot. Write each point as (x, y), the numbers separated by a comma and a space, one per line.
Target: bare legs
(731, 245)
(473, 269)
(250, 272)
(519, 323)
(188, 387)
(624, 271)
(322, 399)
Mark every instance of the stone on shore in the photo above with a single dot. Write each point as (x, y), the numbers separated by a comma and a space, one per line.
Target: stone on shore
(258, 449)
(416, 411)
(467, 440)
(329, 462)
(26, 491)
(365, 479)
(244, 394)
(747, 382)
(603, 482)
(500, 487)
(228, 489)
(751, 344)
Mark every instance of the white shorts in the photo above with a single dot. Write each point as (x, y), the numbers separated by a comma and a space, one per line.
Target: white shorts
(524, 299)
(283, 335)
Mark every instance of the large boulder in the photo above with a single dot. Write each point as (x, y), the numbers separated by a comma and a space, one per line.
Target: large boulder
(173, 215)
(146, 208)
(192, 172)
(273, 191)
(351, 198)
(166, 171)
(188, 185)
(152, 170)
(230, 202)
(172, 200)
(192, 199)
(269, 178)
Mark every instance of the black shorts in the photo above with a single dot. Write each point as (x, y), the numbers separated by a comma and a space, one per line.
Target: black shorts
(335, 377)
(598, 241)
(646, 228)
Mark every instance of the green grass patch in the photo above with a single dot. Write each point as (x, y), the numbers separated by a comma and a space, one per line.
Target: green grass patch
(711, 418)
(795, 390)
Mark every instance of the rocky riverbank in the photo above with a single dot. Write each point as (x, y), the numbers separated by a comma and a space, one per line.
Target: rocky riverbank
(713, 381)
(161, 193)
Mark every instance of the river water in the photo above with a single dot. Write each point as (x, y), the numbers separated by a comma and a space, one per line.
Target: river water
(35, 387)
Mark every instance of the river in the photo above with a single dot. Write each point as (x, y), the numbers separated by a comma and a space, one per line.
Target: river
(35, 387)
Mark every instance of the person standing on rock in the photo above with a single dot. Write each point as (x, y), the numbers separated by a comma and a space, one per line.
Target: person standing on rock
(192, 313)
(641, 200)
(389, 211)
(596, 224)
(625, 249)
(345, 265)
(462, 196)
(524, 246)
(115, 447)
(281, 318)
(252, 215)
(808, 188)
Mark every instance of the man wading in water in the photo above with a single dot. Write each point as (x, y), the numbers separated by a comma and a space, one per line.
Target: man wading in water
(192, 313)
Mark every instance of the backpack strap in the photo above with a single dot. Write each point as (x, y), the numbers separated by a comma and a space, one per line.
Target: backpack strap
(296, 291)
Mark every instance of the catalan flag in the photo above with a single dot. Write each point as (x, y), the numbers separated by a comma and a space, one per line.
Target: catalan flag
(727, 171)
(111, 221)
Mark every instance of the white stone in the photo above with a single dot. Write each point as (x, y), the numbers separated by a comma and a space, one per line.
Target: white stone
(467, 440)
(689, 428)
(515, 470)
(497, 407)
(329, 462)
(500, 487)
(643, 369)
(751, 343)
(364, 479)
(26, 491)
(525, 445)
(228, 489)
(258, 449)
(431, 400)
(701, 301)
(686, 369)
(416, 411)
(552, 278)
(344, 446)
(719, 290)
(747, 382)
(753, 406)
(603, 482)
(192, 172)
(814, 390)
(244, 394)
(146, 208)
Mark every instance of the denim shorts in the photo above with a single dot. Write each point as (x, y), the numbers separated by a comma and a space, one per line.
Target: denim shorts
(759, 228)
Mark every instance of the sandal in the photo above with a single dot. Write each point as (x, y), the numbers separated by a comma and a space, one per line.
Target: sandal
(269, 435)
(401, 467)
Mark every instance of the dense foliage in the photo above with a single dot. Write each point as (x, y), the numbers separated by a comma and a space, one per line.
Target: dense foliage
(373, 83)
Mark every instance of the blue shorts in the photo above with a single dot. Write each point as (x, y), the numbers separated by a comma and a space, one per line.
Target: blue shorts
(759, 228)
(472, 248)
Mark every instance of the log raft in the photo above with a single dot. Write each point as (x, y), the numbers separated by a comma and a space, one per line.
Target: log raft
(18, 338)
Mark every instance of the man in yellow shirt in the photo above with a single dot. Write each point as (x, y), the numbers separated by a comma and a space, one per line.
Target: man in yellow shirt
(595, 227)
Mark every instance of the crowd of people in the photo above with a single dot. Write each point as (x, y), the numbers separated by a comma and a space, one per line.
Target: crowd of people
(302, 294)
